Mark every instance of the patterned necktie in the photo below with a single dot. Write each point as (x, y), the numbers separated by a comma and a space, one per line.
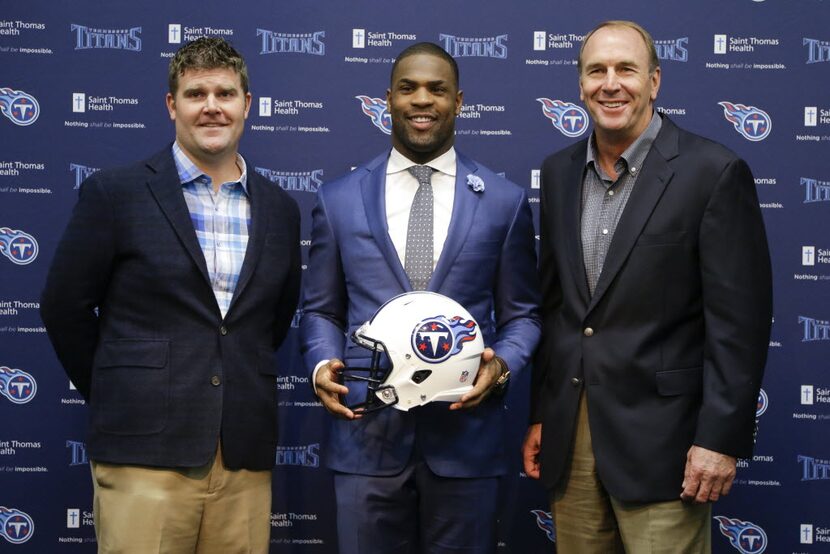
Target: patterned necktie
(418, 258)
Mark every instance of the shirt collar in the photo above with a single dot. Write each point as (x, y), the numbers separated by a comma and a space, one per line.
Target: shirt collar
(189, 172)
(637, 149)
(445, 163)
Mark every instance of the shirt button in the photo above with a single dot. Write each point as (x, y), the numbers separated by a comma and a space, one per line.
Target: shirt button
(588, 332)
(223, 330)
(633, 170)
(610, 193)
(576, 381)
(215, 381)
(605, 231)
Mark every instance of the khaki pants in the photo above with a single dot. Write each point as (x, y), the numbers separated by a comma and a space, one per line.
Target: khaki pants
(589, 521)
(207, 509)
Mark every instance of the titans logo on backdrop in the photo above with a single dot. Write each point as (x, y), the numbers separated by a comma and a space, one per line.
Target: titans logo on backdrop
(21, 108)
(16, 526)
(18, 246)
(744, 536)
(17, 385)
(375, 109)
(437, 338)
(544, 521)
(568, 118)
(752, 123)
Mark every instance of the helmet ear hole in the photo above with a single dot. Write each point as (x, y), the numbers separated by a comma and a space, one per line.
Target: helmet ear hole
(420, 376)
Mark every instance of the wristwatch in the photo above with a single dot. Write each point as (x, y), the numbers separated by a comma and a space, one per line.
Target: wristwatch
(501, 383)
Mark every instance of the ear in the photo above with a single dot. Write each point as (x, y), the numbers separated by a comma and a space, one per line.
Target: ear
(459, 101)
(248, 99)
(171, 106)
(388, 97)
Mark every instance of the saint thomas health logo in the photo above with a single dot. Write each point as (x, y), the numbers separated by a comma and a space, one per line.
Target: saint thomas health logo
(375, 109)
(17, 385)
(16, 526)
(744, 536)
(567, 117)
(752, 123)
(19, 247)
(21, 108)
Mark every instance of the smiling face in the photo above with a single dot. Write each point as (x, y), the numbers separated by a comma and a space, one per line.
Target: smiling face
(209, 109)
(616, 86)
(423, 102)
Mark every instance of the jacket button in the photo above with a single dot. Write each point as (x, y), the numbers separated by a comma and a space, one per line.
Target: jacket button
(223, 330)
(588, 332)
(215, 381)
(576, 381)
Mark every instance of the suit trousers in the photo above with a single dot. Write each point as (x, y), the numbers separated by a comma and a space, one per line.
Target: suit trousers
(207, 509)
(589, 521)
(415, 512)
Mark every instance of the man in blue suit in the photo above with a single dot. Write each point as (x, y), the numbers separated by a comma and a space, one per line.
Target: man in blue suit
(173, 285)
(423, 480)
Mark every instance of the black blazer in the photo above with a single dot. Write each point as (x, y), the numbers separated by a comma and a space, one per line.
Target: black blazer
(671, 347)
(165, 376)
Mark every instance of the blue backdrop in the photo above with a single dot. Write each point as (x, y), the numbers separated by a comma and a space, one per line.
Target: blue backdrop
(82, 87)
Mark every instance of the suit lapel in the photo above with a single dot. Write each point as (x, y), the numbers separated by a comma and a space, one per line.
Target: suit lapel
(573, 227)
(256, 232)
(464, 207)
(167, 190)
(648, 189)
(372, 189)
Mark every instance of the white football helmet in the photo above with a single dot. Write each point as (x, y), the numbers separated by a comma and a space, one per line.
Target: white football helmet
(429, 346)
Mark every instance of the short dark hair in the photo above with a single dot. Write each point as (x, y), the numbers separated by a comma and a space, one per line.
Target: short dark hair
(429, 48)
(206, 53)
(653, 61)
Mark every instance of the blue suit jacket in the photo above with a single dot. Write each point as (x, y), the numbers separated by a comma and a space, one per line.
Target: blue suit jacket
(164, 374)
(488, 265)
(680, 317)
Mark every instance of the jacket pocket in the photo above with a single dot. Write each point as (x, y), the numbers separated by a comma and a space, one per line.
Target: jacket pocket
(661, 238)
(674, 382)
(131, 386)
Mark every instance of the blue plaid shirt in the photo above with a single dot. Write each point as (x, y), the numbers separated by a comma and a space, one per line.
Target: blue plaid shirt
(221, 221)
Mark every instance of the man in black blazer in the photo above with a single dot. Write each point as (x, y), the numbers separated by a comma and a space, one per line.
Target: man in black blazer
(174, 283)
(656, 312)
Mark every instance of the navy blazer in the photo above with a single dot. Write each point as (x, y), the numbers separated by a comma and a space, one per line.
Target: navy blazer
(165, 376)
(679, 321)
(488, 265)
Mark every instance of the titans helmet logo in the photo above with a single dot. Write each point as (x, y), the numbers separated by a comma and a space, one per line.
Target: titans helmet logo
(437, 338)
(18, 106)
(752, 123)
(375, 108)
(15, 526)
(21, 248)
(17, 385)
(567, 117)
(545, 523)
(744, 536)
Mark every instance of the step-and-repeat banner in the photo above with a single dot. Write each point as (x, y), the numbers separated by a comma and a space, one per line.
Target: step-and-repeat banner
(82, 87)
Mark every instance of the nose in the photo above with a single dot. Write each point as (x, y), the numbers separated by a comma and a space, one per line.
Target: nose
(611, 82)
(211, 104)
(421, 97)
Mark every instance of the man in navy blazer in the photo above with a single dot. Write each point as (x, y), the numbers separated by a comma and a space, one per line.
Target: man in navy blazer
(423, 480)
(173, 285)
(656, 314)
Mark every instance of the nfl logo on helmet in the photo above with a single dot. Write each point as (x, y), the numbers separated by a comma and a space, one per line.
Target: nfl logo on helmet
(570, 119)
(753, 123)
(21, 108)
